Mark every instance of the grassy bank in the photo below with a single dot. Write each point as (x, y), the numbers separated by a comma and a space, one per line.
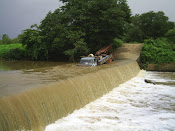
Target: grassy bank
(12, 51)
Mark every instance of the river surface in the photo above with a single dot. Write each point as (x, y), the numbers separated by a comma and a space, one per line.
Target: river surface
(18, 76)
(133, 106)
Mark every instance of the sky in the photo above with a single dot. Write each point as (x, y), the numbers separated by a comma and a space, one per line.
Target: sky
(18, 15)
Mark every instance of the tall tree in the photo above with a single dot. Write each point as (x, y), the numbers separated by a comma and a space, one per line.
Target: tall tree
(155, 24)
(83, 25)
(171, 35)
(6, 39)
(100, 20)
(150, 24)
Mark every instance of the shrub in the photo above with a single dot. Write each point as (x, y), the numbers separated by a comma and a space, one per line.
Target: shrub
(157, 52)
(117, 43)
(171, 35)
(16, 54)
(12, 51)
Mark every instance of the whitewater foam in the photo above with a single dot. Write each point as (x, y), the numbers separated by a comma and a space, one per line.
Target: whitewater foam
(134, 105)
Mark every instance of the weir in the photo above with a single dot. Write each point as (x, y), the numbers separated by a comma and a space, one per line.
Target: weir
(38, 107)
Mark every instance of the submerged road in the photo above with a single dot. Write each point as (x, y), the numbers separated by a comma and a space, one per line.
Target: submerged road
(128, 52)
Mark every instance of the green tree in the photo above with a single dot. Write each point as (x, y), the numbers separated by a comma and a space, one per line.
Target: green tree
(6, 39)
(171, 35)
(33, 41)
(155, 24)
(80, 47)
(79, 27)
(149, 25)
(134, 34)
(15, 40)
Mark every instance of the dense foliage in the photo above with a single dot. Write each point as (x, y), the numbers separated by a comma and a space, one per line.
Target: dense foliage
(171, 36)
(77, 28)
(84, 26)
(117, 43)
(148, 25)
(157, 51)
(12, 51)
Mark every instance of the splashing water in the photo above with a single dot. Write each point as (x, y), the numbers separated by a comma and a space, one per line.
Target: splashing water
(134, 105)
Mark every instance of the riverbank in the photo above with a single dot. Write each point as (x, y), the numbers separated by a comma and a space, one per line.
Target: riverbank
(132, 52)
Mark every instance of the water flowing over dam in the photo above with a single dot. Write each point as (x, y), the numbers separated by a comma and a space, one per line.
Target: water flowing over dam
(36, 108)
(132, 106)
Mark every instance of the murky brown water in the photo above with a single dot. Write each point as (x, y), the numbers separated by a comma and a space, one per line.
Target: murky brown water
(17, 76)
(129, 106)
(77, 86)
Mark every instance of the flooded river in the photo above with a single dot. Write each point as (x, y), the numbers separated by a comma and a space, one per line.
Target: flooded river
(18, 76)
(134, 106)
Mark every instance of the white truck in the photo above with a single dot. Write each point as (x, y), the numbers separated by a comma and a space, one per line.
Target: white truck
(88, 61)
(102, 56)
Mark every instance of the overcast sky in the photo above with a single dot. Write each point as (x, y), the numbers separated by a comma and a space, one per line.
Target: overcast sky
(18, 15)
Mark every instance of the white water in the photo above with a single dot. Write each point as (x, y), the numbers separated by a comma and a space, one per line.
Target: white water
(134, 105)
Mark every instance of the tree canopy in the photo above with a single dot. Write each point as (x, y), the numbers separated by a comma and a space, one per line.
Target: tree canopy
(148, 25)
(171, 35)
(6, 40)
(77, 28)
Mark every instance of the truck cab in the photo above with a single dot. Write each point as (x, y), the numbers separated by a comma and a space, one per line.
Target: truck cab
(88, 61)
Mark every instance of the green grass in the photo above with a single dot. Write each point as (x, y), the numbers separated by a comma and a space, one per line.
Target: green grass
(6, 48)
(10, 51)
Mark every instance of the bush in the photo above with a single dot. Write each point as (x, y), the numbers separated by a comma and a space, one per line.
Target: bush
(12, 51)
(157, 52)
(16, 54)
(171, 35)
(117, 43)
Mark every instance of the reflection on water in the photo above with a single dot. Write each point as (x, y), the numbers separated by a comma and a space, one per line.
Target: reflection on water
(17, 76)
(134, 105)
